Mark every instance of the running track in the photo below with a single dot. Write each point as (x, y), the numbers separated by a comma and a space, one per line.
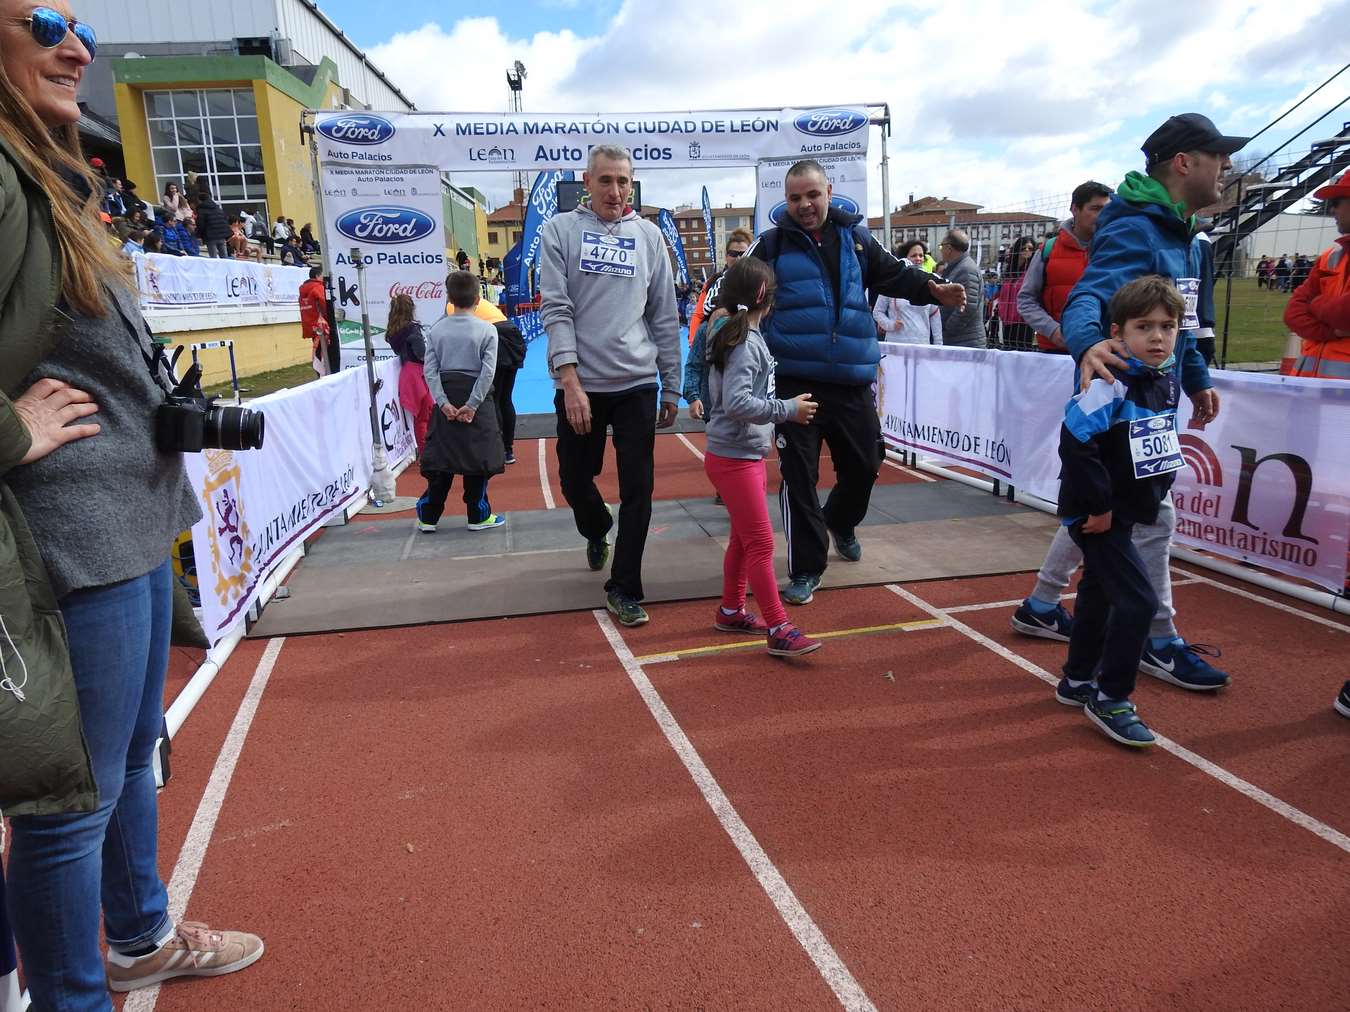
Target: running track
(548, 812)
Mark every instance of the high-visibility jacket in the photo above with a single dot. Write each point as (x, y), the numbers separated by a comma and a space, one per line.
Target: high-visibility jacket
(1064, 260)
(1319, 312)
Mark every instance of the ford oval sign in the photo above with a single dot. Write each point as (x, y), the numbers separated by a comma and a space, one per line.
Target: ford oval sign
(846, 204)
(385, 225)
(830, 122)
(357, 128)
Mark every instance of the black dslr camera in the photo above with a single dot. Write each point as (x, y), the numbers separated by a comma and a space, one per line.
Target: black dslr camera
(188, 421)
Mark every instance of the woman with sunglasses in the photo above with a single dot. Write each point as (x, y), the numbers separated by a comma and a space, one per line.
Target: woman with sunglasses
(74, 349)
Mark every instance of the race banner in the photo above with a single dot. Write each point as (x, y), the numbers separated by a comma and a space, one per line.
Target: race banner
(666, 221)
(260, 504)
(163, 280)
(847, 173)
(543, 205)
(395, 216)
(1267, 482)
(708, 229)
(514, 142)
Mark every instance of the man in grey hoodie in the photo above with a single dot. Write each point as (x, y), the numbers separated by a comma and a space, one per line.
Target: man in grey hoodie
(962, 325)
(609, 311)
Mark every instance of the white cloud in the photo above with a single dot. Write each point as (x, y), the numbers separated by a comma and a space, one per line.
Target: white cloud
(990, 102)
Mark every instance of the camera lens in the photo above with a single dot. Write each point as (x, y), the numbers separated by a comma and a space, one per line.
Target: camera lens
(233, 428)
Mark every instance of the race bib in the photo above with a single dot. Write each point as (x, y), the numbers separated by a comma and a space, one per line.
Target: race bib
(1190, 296)
(1154, 447)
(602, 253)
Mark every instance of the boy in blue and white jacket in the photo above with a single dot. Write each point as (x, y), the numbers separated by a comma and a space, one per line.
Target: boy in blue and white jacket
(1118, 450)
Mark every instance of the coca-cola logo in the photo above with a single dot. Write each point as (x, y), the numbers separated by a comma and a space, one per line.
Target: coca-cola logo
(427, 290)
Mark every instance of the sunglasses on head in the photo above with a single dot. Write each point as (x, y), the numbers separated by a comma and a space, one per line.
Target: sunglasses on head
(49, 29)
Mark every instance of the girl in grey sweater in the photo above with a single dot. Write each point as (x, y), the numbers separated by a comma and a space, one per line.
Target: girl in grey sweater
(742, 411)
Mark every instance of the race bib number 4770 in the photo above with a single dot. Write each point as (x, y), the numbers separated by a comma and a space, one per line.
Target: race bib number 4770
(615, 255)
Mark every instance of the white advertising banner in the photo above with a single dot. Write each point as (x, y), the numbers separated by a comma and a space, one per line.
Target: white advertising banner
(316, 460)
(394, 215)
(467, 142)
(165, 280)
(1267, 482)
(847, 175)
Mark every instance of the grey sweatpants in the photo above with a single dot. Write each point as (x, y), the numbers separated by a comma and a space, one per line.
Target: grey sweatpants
(1150, 540)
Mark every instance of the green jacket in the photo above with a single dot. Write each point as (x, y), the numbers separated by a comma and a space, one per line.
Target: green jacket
(44, 762)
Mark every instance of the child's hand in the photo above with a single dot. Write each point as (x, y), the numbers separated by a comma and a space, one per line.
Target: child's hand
(696, 410)
(450, 411)
(806, 408)
(466, 414)
(1099, 523)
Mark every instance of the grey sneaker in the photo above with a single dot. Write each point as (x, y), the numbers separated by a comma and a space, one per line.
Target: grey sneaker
(802, 589)
(597, 552)
(193, 951)
(848, 547)
(625, 609)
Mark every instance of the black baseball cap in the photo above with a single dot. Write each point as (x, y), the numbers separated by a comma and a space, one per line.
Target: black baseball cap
(1190, 131)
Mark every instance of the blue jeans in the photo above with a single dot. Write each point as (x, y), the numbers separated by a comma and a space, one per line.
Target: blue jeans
(63, 867)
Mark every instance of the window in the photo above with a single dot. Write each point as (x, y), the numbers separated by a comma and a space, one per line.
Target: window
(492, 238)
(214, 133)
(515, 235)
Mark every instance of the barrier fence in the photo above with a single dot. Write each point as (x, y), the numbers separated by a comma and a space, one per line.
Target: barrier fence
(169, 281)
(1266, 483)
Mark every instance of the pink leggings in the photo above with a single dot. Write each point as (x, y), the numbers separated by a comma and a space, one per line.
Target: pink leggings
(750, 549)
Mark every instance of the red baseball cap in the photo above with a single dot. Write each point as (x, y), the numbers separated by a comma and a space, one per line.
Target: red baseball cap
(1336, 191)
(96, 162)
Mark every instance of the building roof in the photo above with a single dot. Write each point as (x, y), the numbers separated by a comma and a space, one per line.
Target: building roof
(717, 212)
(507, 214)
(936, 204)
(941, 218)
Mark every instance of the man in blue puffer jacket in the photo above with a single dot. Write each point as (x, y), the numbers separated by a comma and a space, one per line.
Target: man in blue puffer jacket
(1149, 228)
(824, 342)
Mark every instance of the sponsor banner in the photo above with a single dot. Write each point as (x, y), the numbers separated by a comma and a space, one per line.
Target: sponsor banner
(169, 281)
(1265, 483)
(465, 142)
(847, 173)
(666, 221)
(543, 205)
(708, 228)
(530, 326)
(393, 214)
(260, 504)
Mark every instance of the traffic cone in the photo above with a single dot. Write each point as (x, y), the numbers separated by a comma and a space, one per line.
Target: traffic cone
(1292, 348)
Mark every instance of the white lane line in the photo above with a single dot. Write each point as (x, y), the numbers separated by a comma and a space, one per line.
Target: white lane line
(1280, 605)
(408, 545)
(192, 855)
(1283, 809)
(909, 470)
(543, 475)
(1013, 604)
(692, 448)
(850, 994)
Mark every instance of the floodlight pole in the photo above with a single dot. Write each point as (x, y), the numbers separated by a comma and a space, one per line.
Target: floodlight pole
(885, 123)
(382, 480)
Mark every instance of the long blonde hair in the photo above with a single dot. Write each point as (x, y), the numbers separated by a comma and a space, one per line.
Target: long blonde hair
(401, 313)
(87, 258)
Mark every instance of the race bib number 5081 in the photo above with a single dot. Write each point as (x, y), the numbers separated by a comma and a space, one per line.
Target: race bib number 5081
(615, 255)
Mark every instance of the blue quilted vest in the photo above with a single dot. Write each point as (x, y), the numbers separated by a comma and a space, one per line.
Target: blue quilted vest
(810, 337)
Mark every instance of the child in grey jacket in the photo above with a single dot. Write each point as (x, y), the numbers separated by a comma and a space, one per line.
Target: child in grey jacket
(742, 411)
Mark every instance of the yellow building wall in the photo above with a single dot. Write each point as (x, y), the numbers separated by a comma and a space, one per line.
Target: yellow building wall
(286, 161)
(480, 226)
(256, 349)
(135, 141)
(506, 238)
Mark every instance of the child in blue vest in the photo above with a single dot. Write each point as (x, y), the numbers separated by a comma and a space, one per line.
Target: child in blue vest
(1118, 451)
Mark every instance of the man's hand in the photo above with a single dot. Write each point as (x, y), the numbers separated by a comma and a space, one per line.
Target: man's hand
(577, 406)
(669, 412)
(466, 414)
(1099, 360)
(1204, 408)
(46, 409)
(450, 411)
(696, 410)
(1099, 523)
(805, 409)
(948, 294)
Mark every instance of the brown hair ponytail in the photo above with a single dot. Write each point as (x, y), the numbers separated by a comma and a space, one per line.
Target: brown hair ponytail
(747, 287)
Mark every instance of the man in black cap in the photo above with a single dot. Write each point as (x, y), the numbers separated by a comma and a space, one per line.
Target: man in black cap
(1148, 227)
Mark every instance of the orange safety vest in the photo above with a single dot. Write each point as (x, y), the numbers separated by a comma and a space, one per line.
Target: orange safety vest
(1064, 265)
(1324, 327)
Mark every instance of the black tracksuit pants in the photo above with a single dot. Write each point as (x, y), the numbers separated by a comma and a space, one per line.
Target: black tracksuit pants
(1113, 613)
(846, 421)
(505, 384)
(632, 414)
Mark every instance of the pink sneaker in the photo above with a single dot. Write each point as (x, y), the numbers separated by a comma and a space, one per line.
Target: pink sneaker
(792, 642)
(194, 951)
(742, 622)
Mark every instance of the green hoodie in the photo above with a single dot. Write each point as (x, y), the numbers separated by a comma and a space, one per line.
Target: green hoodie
(1139, 188)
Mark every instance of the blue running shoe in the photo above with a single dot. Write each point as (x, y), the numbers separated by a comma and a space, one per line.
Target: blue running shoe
(488, 522)
(1051, 625)
(422, 525)
(1071, 696)
(625, 609)
(1117, 719)
(1183, 664)
(848, 546)
(802, 589)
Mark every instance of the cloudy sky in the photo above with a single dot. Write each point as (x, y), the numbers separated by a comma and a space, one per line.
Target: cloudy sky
(1000, 104)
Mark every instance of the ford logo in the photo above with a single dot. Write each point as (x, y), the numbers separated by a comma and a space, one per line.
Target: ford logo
(357, 128)
(385, 225)
(846, 204)
(830, 122)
